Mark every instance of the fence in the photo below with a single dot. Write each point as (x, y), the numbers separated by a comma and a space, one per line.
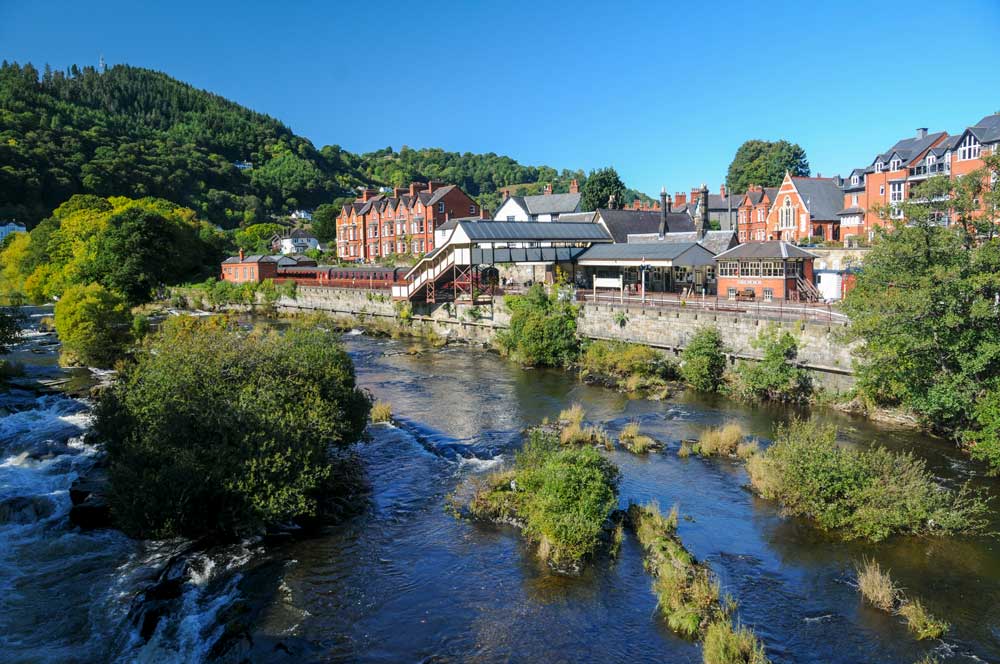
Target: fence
(779, 311)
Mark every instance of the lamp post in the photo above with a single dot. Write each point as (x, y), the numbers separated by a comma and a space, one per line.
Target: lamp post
(643, 268)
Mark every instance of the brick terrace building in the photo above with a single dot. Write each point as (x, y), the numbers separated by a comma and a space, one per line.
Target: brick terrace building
(751, 215)
(376, 224)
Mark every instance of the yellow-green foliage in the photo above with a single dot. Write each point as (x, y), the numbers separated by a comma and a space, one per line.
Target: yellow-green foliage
(94, 325)
(876, 585)
(725, 645)
(632, 366)
(561, 497)
(685, 450)
(920, 621)
(722, 441)
(634, 441)
(127, 245)
(687, 591)
(747, 449)
(381, 411)
(574, 433)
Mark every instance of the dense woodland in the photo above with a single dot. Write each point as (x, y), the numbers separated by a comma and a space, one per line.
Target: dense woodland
(136, 132)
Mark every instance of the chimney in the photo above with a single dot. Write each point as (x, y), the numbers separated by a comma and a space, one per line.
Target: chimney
(922, 132)
(680, 199)
(722, 190)
(398, 191)
(430, 186)
(663, 211)
(548, 189)
(506, 193)
(702, 224)
(241, 255)
(636, 204)
(669, 204)
(574, 187)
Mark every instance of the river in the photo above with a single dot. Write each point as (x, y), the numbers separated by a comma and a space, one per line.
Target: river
(406, 581)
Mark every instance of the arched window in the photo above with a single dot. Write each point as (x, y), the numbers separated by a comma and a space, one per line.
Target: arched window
(786, 215)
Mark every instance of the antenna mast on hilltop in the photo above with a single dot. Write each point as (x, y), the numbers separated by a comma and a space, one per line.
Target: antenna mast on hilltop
(102, 66)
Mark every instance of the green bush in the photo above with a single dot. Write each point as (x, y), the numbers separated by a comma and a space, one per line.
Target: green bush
(703, 360)
(775, 377)
(984, 441)
(622, 360)
(561, 496)
(217, 431)
(542, 329)
(866, 494)
(93, 324)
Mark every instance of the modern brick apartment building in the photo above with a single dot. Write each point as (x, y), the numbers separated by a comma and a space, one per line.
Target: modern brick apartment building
(377, 224)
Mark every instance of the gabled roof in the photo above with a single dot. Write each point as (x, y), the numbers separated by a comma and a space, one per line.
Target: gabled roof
(717, 203)
(908, 149)
(552, 203)
(434, 196)
(763, 250)
(677, 253)
(715, 241)
(822, 197)
(622, 223)
(255, 258)
(987, 130)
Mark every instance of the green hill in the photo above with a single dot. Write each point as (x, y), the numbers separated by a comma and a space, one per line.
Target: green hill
(136, 132)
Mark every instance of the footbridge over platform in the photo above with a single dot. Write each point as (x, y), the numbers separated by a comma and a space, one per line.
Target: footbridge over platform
(462, 266)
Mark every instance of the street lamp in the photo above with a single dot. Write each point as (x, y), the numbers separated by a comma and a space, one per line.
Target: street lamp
(643, 268)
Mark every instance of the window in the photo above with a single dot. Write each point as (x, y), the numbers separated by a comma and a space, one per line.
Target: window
(931, 159)
(760, 215)
(895, 192)
(878, 166)
(743, 236)
(441, 206)
(510, 217)
(472, 209)
(731, 293)
(854, 200)
(768, 294)
(786, 216)
(729, 269)
(854, 180)
(968, 149)
(415, 249)
(743, 217)
(895, 164)
(772, 269)
(387, 248)
(750, 269)
(881, 190)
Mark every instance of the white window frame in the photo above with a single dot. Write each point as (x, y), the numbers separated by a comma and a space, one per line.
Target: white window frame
(768, 295)
(729, 268)
(969, 148)
(786, 215)
(878, 166)
(854, 180)
(441, 206)
(895, 164)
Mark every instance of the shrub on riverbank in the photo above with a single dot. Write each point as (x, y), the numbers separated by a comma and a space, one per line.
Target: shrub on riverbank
(93, 324)
(561, 497)
(703, 360)
(866, 494)
(632, 365)
(217, 431)
(775, 377)
(542, 328)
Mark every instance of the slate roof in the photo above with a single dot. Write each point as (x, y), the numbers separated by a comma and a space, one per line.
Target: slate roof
(763, 250)
(714, 241)
(717, 203)
(822, 196)
(757, 196)
(255, 258)
(987, 130)
(666, 251)
(907, 149)
(533, 231)
(850, 210)
(550, 203)
(622, 223)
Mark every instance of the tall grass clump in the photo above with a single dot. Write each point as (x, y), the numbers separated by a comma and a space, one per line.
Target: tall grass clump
(381, 412)
(687, 591)
(876, 585)
(634, 441)
(864, 494)
(721, 441)
(561, 498)
(703, 360)
(878, 588)
(573, 431)
(726, 645)
(633, 366)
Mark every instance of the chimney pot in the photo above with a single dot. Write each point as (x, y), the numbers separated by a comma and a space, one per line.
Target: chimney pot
(574, 187)
(722, 190)
(241, 255)
(922, 132)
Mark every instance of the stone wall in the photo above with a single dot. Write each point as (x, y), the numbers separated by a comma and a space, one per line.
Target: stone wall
(821, 347)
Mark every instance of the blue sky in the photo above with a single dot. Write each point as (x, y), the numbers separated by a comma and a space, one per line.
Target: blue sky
(664, 92)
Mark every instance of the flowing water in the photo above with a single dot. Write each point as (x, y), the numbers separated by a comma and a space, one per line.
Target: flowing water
(405, 581)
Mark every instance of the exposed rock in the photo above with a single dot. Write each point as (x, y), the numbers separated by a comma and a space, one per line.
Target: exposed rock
(93, 512)
(94, 482)
(25, 509)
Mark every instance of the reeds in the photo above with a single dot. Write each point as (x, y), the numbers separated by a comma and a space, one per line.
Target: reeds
(381, 412)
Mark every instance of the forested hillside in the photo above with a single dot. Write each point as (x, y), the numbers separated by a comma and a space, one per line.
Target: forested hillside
(136, 132)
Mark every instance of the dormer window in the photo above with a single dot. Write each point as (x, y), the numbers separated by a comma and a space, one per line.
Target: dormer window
(878, 166)
(969, 148)
(931, 159)
(854, 180)
(895, 164)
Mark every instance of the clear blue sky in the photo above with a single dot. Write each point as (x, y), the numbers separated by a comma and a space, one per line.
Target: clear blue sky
(664, 92)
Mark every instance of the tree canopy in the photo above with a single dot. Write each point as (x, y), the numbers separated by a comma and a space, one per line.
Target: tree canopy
(764, 163)
(602, 186)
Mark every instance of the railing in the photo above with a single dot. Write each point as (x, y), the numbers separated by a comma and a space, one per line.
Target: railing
(778, 310)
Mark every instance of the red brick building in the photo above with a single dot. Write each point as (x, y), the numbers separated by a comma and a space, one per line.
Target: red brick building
(805, 208)
(377, 224)
(751, 214)
(242, 269)
(766, 271)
